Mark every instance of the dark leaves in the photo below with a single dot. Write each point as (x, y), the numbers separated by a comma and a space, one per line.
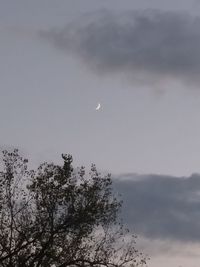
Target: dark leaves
(58, 215)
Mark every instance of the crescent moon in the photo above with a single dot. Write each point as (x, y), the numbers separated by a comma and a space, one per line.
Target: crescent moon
(98, 106)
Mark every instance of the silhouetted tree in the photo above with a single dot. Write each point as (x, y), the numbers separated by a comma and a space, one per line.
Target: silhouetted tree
(57, 216)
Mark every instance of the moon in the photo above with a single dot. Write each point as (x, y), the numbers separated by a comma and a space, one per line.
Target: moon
(98, 106)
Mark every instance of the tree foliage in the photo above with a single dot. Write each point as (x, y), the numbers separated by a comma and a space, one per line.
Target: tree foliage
(59, 216)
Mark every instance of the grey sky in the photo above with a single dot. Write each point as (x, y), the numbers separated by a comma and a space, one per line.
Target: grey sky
(164, 211)
(139, 59)
(158, 206)
(159, 43)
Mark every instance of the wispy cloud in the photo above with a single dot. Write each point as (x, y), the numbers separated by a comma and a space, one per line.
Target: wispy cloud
(151, 42)
(159, 206)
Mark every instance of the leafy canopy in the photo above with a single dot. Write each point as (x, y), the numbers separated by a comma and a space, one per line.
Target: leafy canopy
(59, 216)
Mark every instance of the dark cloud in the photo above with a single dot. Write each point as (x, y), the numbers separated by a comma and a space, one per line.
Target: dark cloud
(161, 206)
(150, 42)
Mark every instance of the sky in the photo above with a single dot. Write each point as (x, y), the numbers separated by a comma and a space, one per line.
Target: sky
(141, 60)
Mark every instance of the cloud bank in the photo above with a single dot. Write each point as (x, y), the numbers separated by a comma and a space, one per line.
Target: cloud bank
(150, 42)
(163, 207)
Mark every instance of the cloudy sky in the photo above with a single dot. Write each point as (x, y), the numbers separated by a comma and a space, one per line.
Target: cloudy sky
(141, 60)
